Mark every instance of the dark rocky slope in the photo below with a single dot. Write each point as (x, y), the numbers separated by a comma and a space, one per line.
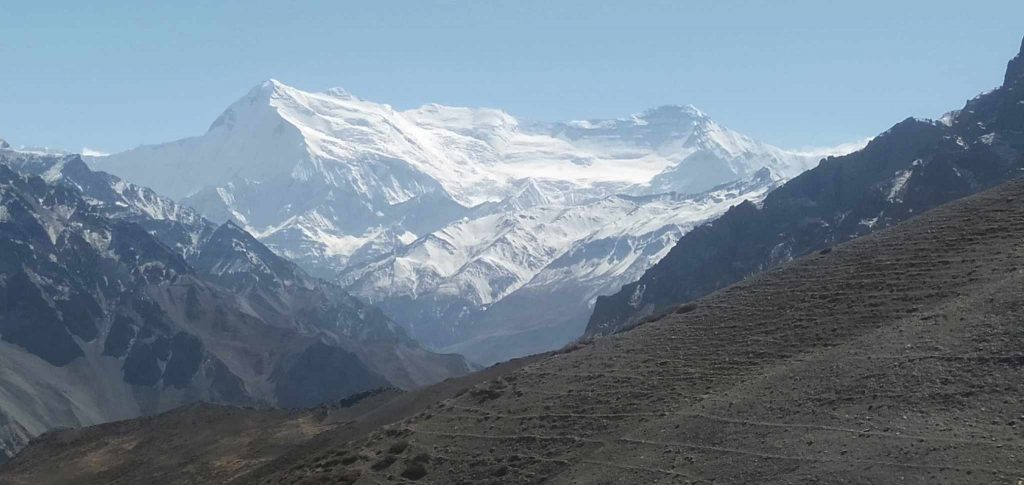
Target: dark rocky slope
(913, 167)
(116, 303)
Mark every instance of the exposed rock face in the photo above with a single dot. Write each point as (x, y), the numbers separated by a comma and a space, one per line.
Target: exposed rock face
(913, 167)
(115, 303)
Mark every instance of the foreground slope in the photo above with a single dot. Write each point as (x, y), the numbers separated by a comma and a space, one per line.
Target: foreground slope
(893, 357)
(913, 167)
(207, 443)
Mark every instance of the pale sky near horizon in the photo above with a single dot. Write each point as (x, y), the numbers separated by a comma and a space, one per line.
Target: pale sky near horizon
(794, 73)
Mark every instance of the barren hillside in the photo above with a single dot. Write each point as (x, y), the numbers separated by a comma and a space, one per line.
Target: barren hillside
(893, 358)
(896, 357)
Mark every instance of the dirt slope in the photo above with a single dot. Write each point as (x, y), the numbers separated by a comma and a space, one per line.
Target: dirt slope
(236, 439)
(206, 443)
(898, 357)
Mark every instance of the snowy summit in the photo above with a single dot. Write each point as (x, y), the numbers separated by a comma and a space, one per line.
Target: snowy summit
(355, 188)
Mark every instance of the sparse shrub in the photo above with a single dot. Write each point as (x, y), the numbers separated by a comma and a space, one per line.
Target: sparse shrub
(398, 447)
(346, 477)
(654, 317)
(414, 471)
(349, 459)
(383, 463)
(330, 463)
(421, 458)
(484, 394)
(686, 308)
(574, 346)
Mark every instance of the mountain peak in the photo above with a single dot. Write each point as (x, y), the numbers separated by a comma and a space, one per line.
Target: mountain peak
(1015, 69)
(340, 93)
(259, 95)
(674, 111)
(231, 226)
(274, 88)
(231, 231)
(273, 84)
(4, 144)
(268, 89)
(74, 164)
(231, 250)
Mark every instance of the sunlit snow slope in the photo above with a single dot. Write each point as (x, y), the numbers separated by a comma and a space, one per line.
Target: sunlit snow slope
(440, 211)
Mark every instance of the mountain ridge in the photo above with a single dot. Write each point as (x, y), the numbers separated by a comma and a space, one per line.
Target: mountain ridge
(877, 359)
(456, 281)
(914, 166)
(118, 303)
(344, 187)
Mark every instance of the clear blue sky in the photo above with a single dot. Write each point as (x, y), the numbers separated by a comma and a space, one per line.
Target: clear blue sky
(111, 75)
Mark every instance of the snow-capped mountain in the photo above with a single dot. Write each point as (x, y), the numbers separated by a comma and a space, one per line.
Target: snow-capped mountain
(699, 152)
(116, 302)
(462, 204)
(325, 177)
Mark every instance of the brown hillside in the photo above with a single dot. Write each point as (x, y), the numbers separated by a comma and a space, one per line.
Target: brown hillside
(898, 357)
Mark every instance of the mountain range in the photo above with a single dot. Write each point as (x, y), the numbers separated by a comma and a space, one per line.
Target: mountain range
(853, 319)
(477, 233)
(895, 356)
(117, 302)
(916, 165)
